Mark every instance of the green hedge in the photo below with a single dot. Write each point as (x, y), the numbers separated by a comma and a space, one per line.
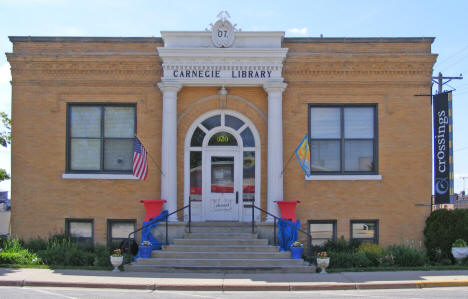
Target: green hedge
(443, 227)
(12, 252)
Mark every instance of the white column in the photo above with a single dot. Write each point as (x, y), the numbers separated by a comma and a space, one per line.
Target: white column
(275, 145)
(169, 145)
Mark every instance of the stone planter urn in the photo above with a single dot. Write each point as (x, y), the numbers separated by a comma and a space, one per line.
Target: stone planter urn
(323, 263)
(459, 253)
(116, 261)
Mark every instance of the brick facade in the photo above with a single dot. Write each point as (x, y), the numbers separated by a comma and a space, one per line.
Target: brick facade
(48, 73)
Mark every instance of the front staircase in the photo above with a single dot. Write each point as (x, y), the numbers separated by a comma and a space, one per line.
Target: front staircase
(220, 247)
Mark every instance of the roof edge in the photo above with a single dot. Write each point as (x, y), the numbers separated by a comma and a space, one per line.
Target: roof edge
(84, 39)
(90, 39)
(359, 39)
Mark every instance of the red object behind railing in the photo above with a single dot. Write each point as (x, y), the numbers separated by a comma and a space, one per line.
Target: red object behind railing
(288, 209)
(153, 208)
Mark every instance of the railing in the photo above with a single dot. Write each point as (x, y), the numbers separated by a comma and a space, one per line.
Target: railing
(165, 218)
(276, 218)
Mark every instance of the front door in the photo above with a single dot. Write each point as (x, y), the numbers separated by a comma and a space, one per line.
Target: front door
(221, 186)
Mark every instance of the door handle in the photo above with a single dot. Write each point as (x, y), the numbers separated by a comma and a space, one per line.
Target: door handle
(237, 197)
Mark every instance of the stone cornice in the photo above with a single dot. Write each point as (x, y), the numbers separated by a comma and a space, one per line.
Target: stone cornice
(359, 40)
(84, 39)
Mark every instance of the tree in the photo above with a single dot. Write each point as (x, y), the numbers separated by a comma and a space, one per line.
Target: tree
(5, 139)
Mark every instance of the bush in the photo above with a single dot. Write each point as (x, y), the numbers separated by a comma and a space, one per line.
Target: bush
(348, 260)
(66, 252)
(34, 245)
(12, 252)
(101, 256)
(406, 256)
(443, 227)
(373, 252)
(341, 245)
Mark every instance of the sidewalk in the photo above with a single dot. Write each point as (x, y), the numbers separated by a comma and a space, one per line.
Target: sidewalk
(232, 282)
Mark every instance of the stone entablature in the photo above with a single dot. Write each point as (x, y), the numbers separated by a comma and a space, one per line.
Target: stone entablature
(191, 58)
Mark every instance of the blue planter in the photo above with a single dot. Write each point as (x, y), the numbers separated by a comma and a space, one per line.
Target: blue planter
(296, 252)
(145, 252)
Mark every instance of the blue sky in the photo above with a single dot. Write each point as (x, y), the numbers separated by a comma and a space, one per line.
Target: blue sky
(446, 21)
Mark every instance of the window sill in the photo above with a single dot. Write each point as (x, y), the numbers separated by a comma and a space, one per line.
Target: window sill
(337, 177)
(97, 176)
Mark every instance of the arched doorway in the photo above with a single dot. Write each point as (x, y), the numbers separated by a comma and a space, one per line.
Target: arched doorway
(222, 166)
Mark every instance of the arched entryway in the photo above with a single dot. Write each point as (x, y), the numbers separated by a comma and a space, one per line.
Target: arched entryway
(222, 166)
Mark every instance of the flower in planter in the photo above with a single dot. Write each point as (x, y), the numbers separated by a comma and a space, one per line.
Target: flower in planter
(297, 244)
(322, 255)
(459, 243)
(146, 243)
(116, 252)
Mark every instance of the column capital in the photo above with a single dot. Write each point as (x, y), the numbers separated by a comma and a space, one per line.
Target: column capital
(274, 86)
(170, 86)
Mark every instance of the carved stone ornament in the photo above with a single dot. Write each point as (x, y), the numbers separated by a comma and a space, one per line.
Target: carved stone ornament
(222, 32)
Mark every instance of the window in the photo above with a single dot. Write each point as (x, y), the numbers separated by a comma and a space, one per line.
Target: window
(80, 229)
(223, 129)
(365, 230)
(118, 230)
(322, 231)
(343, 139)
(100, 137)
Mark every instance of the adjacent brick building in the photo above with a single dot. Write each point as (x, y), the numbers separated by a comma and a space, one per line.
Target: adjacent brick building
(221, 118)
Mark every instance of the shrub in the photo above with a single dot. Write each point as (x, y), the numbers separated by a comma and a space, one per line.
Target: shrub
(341, 245)
(443, 227)
(101, 256)
(373, 252)
(34, 245)
(348, 260)
(406, 256)
(63, 251)
(12, 252)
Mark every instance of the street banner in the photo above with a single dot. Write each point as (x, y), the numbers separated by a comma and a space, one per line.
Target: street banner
(443, 162)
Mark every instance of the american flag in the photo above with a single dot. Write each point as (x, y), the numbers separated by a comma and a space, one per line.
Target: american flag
(140, 163)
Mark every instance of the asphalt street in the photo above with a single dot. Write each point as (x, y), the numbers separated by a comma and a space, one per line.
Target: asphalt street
(31, 292)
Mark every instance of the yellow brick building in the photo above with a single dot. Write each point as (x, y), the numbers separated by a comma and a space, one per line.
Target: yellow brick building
(221, 114)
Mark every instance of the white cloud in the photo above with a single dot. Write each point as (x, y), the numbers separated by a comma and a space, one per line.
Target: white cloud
(298, 31)
(5, 74)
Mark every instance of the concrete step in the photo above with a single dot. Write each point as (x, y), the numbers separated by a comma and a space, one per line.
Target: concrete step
(220, 235)
(220, 242)
(220, 255)
(221, 224)
(221, 229)
(221, 248)
(208, 269)
(222, 262)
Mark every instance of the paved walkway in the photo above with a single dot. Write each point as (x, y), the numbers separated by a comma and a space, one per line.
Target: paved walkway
(200, 281)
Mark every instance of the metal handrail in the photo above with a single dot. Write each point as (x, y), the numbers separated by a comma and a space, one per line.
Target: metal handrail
(189, 206)
(276, 218)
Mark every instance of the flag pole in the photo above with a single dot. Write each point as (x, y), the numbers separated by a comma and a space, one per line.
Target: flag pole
(151, 157)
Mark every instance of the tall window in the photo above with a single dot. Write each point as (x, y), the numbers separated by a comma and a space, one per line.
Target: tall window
(100, 137)
(343, 138)
(223, 138)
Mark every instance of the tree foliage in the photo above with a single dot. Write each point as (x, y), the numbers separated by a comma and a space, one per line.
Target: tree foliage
(5, 139)
(443, 227)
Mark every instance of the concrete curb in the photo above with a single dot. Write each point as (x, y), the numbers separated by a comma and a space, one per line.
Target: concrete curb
(242, 287)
